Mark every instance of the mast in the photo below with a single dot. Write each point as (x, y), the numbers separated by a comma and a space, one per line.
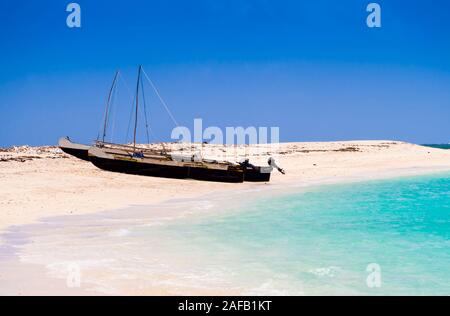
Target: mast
(107, 105)
(137, 107)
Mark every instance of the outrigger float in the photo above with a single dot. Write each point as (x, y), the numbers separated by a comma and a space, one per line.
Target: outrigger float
(132, 159)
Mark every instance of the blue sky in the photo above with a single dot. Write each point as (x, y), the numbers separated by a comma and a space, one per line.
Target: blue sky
(313, 68)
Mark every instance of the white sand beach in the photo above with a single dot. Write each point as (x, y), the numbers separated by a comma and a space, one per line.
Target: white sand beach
(43, 182)
(38, 182)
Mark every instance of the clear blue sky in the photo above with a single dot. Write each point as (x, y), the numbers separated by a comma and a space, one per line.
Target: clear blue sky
(313, 68)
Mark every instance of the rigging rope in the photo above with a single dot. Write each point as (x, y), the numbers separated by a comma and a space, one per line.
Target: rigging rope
(122, 78)
(131, 116)
(108, 102)
(145, 111)
(131, 95)
(102, 127)
(160, 98)
(113, 110)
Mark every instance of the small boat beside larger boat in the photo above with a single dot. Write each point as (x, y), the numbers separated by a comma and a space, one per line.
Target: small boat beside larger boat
(132, 159)
(148, 162)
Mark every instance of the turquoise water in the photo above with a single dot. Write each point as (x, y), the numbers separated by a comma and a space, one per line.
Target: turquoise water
(441, 146)
(318, 241)
(321, 241)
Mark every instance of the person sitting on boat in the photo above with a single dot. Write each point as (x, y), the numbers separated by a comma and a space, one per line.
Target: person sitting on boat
(246, 164)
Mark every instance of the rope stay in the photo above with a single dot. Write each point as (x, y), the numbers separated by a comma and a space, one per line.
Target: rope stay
(160, 98)
(145, 111)
(112, 116)
(122, 78)
(131, 116)
(111, 109)
(132, 96)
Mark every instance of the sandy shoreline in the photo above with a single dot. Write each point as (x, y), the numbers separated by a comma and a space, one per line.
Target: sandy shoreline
(38, 182)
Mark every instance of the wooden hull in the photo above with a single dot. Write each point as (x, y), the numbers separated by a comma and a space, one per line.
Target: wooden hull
(250, 175)
(256, 175)
(136, 167)
(79, 153)
(73, 149)
(142, 168)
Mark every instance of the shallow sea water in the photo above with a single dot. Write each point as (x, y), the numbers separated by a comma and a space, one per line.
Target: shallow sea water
(384, 237)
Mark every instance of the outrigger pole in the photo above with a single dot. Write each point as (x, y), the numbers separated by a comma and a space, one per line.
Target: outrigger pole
(108, 103)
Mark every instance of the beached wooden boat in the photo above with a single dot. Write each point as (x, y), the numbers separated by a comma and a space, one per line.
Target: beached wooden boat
(160, 166)
(127, 159)
(132, 159)
(77, 150)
